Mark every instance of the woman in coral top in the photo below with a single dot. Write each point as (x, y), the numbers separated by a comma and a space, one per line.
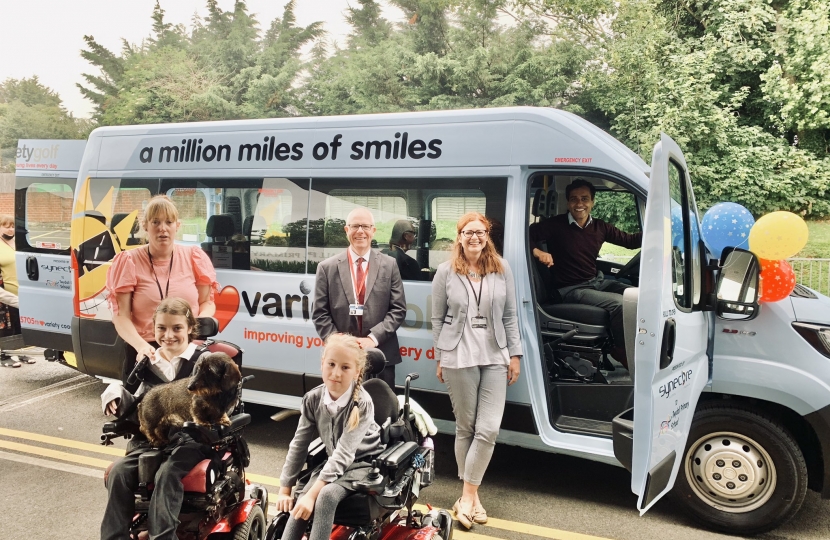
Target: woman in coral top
(139, 279)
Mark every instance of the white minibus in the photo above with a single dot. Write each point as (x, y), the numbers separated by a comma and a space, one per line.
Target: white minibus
(45, 175)
(726, 400)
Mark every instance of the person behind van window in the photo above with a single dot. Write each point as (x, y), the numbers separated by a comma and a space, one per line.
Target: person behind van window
(174, 327)
(359, 292)
(477, 345)
(574, 240)
(142, 277)
(403, 237)
(8, 288)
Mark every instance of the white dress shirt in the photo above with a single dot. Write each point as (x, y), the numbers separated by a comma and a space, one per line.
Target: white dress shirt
(332, 405)
(365, 267)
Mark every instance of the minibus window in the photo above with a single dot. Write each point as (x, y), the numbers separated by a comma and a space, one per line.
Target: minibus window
(245, 223)
(680, 255)
(415, 218)
(48, 215)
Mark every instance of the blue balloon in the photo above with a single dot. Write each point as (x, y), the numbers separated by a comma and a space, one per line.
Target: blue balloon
(676, 224)
(725, 225)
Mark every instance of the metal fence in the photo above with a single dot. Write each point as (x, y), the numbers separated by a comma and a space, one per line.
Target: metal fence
(812, 273)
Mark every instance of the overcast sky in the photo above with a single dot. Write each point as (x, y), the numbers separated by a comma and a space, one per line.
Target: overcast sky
(45, 37)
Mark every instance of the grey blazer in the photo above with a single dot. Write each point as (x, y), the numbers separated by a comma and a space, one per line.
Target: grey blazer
(385, 303)
(450, 301)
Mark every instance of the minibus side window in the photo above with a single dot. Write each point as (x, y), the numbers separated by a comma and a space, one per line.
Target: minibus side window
(245, 223)
(47, 216)
(425, 209)
(680, 254)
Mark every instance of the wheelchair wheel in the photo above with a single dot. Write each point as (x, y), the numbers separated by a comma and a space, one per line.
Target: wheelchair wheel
(277, 526)
(252, 528)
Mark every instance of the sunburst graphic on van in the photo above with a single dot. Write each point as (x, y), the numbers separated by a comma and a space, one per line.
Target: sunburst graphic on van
(97, 237)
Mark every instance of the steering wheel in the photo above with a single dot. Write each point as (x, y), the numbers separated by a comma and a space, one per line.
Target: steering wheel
(631, 268)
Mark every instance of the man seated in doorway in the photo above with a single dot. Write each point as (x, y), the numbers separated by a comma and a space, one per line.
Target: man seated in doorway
(574, 240)
(401, 241)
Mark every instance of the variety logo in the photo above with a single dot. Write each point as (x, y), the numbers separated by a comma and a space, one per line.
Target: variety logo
(227, 304)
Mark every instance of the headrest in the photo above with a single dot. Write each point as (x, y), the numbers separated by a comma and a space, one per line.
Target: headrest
(220, 225)
(118, 218)
(540, 199)
(208, 327)
(248, 225)
(375, 361)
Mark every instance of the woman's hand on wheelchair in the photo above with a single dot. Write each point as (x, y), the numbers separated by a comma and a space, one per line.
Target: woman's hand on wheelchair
(285, 502)
(112, 407)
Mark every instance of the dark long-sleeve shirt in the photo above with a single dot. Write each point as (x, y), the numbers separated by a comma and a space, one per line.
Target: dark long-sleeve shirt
(575, 250)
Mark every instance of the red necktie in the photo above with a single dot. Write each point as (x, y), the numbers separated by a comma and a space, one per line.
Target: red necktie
(360, 289)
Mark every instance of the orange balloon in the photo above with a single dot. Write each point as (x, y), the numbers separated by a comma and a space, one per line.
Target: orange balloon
(777, 280)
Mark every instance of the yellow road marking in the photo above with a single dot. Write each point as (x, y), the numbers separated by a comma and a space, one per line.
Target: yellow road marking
(68, 443)
(54, 454)
(495, 523)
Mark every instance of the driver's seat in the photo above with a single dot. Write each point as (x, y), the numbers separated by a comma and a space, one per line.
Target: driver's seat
(556, 318)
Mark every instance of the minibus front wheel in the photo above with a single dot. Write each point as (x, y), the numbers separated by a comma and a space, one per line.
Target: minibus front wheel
(742, 472)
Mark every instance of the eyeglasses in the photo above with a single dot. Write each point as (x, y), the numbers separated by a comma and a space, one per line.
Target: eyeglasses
(477, 234)
(363, 226)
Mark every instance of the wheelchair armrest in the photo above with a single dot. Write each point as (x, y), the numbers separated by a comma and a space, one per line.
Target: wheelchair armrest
(394, 460)
(238, 422)
(200, 432)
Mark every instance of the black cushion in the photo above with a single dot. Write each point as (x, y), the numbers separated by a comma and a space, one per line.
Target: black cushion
(248, 225)
(578, 313)
(386, 404)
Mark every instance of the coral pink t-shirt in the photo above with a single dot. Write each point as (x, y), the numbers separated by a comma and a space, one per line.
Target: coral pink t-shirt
(131, 273)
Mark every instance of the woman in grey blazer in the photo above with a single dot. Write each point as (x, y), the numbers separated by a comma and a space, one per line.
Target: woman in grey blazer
(477, 346)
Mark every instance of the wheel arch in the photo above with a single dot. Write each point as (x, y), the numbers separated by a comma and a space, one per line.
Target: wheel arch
(816, 451)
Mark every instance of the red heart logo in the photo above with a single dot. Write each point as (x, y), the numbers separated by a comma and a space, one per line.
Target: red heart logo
(42, 323)
(227, 304)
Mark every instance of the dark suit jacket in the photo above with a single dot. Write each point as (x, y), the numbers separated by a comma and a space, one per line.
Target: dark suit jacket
(384, 305)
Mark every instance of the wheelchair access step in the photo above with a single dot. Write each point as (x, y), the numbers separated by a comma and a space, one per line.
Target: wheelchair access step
(572, 424)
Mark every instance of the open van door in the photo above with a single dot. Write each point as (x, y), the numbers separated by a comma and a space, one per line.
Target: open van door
(671, 366)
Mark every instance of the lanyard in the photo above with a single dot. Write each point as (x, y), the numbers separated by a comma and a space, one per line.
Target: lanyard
(477, 296)
(169, 271)
(358, 288)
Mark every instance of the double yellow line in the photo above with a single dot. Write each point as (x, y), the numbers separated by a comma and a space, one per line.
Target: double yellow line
(269, 481)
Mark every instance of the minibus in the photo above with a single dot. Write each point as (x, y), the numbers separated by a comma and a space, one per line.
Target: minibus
(726, 400)
(45, 174)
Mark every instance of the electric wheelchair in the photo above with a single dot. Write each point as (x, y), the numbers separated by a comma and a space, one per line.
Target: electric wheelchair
(219, 502)
(381, 507)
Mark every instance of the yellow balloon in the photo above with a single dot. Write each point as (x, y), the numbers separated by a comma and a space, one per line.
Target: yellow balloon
(778, 235)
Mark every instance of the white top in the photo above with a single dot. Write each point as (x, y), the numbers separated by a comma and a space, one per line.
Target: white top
(365, 267)
(571, 221)
(478, 346)
(335, 405)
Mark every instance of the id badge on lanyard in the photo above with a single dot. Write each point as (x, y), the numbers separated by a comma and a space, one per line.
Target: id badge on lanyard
(357, 308)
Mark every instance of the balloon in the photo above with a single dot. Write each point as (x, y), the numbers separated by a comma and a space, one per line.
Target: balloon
(777, 280)
(676, 224)
(724, 225)
(778, 235)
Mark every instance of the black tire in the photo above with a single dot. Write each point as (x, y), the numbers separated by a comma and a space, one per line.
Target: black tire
(252, 528)
(747, 465)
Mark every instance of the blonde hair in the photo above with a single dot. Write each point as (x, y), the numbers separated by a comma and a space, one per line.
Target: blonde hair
(178, 306)
(490, 262)
(6, 220)
(160, 206)
(349, 343)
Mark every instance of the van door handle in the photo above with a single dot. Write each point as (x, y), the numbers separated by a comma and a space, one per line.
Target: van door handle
(31, 268)
(667, 347)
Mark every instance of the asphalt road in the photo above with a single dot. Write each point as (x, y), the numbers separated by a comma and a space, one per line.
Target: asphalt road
(51, 470)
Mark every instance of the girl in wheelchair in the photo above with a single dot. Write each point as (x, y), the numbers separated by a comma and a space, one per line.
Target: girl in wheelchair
(341, 413)
(174, 329)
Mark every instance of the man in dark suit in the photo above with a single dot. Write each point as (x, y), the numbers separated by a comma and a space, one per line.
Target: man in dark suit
(360, 292)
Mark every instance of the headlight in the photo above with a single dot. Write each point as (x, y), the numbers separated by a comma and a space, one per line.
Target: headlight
(816, 335)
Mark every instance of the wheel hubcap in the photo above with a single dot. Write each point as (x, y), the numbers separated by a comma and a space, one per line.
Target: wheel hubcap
(730, 472)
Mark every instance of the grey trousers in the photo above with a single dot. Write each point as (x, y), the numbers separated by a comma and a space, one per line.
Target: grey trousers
(327, 501)
(604, 293)
(478, 395)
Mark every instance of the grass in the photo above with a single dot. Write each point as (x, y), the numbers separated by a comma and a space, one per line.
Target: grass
(818, 245)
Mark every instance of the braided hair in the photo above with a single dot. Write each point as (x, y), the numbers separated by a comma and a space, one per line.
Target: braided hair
(349, 343)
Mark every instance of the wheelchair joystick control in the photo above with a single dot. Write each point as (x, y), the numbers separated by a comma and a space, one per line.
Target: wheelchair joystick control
(374, 474)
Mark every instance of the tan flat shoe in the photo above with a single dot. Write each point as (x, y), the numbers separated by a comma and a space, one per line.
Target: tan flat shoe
(479, 514)
(463, 518)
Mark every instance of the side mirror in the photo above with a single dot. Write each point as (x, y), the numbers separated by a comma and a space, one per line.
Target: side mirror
(737, 290)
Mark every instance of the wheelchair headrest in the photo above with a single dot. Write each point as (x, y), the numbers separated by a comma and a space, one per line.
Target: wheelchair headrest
(208, 327)
(386, 404)
(220, 225)
(375, 361)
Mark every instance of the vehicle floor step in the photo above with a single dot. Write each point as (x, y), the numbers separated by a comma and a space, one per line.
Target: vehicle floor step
(583, 425)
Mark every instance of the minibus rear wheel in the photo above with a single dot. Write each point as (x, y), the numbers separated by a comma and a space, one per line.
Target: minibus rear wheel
(742, 472)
